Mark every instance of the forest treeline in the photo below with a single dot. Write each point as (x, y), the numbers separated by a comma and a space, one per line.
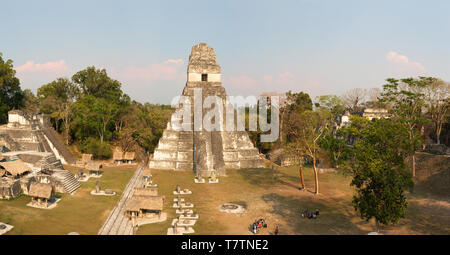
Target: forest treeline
(90, 110)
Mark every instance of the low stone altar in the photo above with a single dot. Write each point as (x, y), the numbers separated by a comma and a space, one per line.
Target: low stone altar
(213, 178)
(178, 191)
(180, 228)
(182, 211)
(188, 216)
(178, 199)
(199, 178)
(183, 205)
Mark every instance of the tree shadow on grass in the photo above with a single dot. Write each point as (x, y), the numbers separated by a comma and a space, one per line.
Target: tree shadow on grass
(265, 177)
(427, 216)
(334, 215)
(437, 184)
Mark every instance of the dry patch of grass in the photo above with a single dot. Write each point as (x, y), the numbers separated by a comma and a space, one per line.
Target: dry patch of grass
(274, 195)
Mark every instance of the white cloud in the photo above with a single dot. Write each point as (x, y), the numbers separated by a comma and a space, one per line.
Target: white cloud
(32, 75)
(58, 67)
(280, 82)
(286, 76)
(242, 82)
(174, 61)
(267, 78)
(168, 70)
(401, 64)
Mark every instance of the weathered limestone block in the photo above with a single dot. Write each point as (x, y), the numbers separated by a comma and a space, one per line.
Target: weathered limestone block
(163, 164)
(165, 154)
(184, 165)
(170, 134)
(184, 155)
(168, 144)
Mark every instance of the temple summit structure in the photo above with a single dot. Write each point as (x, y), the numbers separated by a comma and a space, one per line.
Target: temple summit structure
(204, 151)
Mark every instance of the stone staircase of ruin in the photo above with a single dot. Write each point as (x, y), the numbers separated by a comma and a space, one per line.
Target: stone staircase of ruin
(174, 151)
(50, 133)
(227, 149)
(50, 162)
(68, 180)
(43, 144)
(12, 144)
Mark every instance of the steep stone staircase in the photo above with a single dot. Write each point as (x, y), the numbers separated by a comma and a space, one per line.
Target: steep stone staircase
(67, 179)
(50, 162)
(43, 144)
(12, 145)
(62, 149)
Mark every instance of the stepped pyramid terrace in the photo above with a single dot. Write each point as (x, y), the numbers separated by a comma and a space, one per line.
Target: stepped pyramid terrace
(204, 151)
(32, 154)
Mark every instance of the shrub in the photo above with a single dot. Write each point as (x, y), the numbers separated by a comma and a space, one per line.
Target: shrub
(95, 147)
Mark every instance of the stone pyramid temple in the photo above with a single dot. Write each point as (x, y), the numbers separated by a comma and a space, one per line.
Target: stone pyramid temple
(203, 151)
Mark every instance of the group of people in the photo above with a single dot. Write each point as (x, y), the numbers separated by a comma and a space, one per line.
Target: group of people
(310, 215)
(257, 225)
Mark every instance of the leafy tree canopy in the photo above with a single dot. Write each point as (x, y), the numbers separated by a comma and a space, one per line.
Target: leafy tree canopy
(11, 95)
(380, 174)
(334, 104)
(96, 82)
(299, 102)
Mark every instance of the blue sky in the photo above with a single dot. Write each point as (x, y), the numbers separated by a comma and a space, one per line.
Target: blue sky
(321, 47)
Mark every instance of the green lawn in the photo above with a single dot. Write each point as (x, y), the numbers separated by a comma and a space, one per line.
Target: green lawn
(81, 212)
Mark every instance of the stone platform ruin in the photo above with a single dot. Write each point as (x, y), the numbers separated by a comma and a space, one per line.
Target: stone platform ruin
(5, 228)
(32, 153)
(209, 150)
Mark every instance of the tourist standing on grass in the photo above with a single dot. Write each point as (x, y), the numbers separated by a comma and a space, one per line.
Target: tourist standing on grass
(276, 230)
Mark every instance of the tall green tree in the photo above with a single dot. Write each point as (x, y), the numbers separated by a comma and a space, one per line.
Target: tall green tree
(100, 105)
(145, 124)
(96, 82)
(295, 146)
(437, 103)
(57, 99)
(11, 95)
(304, 130)
(299, 102)
(334, 104)
(407, 103)
(380, 173)
(31, 104)
(94, 117)
(335, 145)
(295, 103)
